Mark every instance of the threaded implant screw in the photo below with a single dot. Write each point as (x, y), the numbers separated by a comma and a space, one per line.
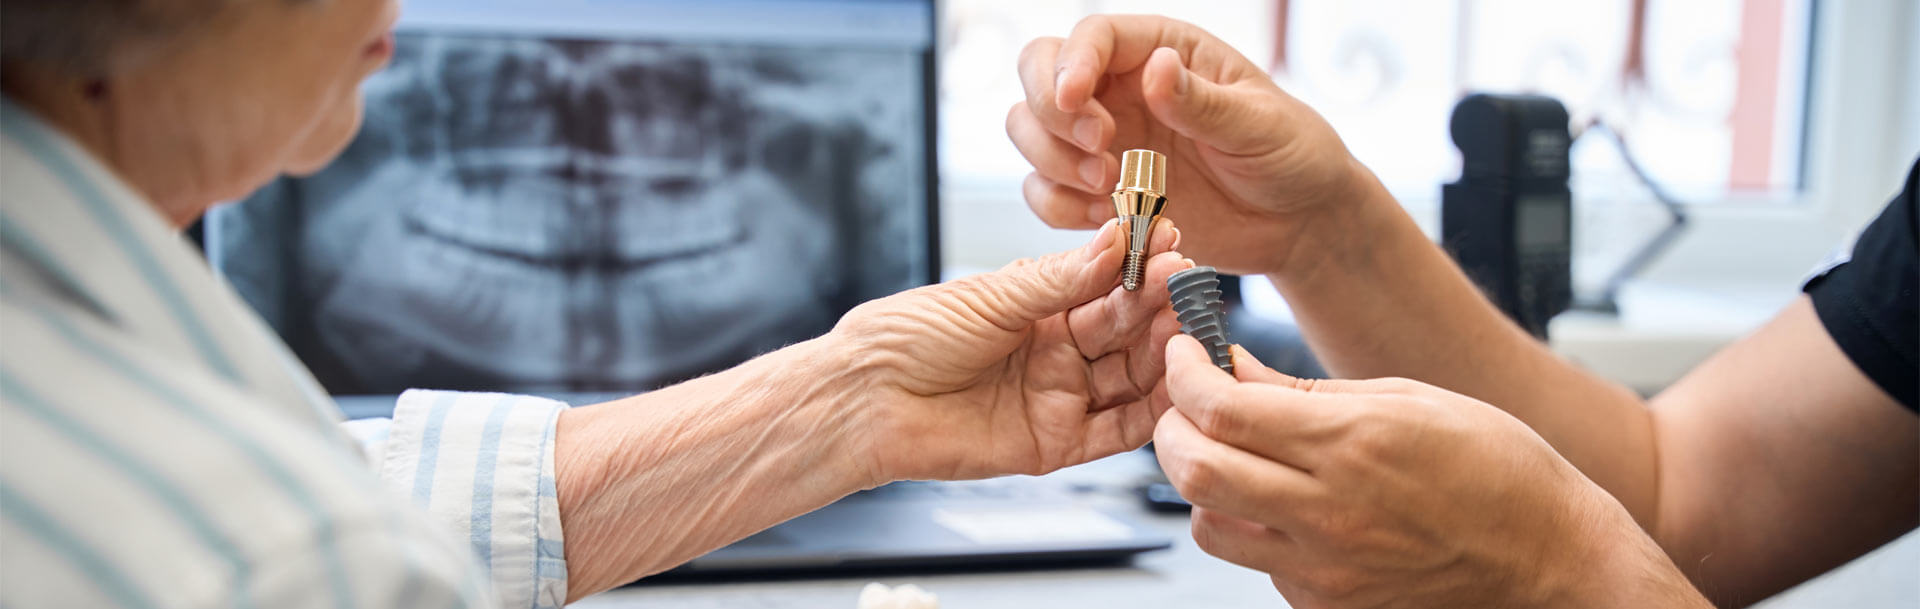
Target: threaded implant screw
(1195, 293)
(1134, 272)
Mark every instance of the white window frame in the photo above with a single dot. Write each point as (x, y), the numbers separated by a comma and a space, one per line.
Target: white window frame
(1862, 133)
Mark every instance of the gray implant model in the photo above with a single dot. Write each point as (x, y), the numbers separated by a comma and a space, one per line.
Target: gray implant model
(1196, 301)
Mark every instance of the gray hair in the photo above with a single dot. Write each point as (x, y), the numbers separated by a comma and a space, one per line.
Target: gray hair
(91, 38)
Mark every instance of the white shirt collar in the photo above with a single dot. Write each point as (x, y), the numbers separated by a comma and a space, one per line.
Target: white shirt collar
(108, 252)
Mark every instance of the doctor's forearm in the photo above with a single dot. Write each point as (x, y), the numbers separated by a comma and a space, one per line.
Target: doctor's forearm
(652, 481)
(1376, 298)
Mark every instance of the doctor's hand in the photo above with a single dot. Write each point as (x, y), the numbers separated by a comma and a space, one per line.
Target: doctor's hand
(1250, 167)
(1392, 493)
(1043, 364)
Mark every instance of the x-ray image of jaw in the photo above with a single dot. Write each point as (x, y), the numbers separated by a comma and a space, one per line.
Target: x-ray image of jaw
(562, 215)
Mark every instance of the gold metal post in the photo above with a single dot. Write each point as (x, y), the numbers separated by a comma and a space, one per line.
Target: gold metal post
(1138, 199)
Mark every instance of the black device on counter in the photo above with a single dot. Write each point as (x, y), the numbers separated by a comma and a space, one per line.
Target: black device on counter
(1508, 220)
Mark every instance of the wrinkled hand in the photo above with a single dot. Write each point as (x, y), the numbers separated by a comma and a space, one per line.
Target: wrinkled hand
(1393, 493)
(1249, 164)
(1040, 365)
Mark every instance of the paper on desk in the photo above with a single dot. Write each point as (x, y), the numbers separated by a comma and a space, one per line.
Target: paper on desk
(878, 596)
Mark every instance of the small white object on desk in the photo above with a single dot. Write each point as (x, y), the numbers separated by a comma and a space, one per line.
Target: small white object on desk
(878, 596)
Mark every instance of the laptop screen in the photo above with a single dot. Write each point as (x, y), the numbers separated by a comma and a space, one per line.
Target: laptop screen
(601, 196)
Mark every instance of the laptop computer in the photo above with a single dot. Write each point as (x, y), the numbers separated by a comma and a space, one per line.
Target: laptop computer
(537, 183)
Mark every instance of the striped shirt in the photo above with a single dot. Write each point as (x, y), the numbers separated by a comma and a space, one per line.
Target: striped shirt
(159, 447)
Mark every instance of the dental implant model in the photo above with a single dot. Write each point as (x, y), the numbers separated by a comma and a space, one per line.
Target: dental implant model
(1138, 199)
(1196, 301)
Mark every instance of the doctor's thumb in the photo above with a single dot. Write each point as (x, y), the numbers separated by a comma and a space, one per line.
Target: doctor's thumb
(1248, 369)
(1233, 120)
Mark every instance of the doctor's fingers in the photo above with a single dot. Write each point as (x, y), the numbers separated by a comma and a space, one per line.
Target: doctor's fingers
(1092, 173)
(1224, 478)
(1064, 206)
(1301, 572)
(1249, 369)
(1296, 427)
(1243, 542)
(1085, 125)
(1112, 44)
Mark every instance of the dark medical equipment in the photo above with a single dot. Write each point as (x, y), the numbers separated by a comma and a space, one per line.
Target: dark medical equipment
(1508, 220)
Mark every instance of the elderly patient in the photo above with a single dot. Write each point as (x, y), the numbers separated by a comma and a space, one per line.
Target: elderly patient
(162, 449)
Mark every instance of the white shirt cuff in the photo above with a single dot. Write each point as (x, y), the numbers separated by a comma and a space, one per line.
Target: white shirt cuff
(482, 466)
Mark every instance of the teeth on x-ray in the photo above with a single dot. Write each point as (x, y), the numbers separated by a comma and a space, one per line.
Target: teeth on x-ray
(578, 215)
